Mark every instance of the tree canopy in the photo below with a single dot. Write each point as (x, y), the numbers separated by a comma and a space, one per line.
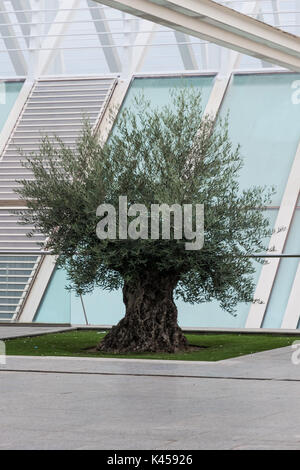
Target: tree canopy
(171, 155)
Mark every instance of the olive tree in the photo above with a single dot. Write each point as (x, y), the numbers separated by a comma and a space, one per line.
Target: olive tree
(168, 155)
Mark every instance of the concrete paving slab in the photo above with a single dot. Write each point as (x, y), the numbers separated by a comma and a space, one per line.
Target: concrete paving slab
(250, 402)
(269, 365)
(9, 332)
(71, 411)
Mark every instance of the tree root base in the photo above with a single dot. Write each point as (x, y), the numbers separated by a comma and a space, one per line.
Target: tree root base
(119, 340)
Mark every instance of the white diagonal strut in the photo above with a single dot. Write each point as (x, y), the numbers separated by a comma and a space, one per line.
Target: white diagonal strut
(186, 51)
(139, 53)
(23, 16)
(292, 312)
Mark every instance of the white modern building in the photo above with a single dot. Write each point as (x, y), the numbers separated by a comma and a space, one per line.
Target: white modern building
(62, 59)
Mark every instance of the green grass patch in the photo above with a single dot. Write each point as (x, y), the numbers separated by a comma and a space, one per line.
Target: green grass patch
(215, 346)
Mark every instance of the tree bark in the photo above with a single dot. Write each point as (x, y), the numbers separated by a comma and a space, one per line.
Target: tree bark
(150, 322)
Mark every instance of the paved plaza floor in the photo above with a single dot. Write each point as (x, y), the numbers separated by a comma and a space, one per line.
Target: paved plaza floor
(251, 402)
(15, 331)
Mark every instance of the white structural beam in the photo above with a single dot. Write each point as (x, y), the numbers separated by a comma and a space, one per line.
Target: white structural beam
(221, 82)
(276, 7)
(186, 51)
(11, 42)
(34, 39)
(217, 95)
(218, 24)
(105, 38)
(278, 240)
(65, 13)
(113, 106)
(204, 56)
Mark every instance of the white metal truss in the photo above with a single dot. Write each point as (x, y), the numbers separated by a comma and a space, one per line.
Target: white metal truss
(50, 44)
(278, 13)
(111, 53)
(186, 51)
(144, 36)
(217, 94)
(36, 37)
(219, 24)
(23, 15)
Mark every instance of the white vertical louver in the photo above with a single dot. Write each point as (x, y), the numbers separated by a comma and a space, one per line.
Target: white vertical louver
(54, 107)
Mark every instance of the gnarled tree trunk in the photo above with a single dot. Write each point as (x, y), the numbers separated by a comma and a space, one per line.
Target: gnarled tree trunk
(150, 322)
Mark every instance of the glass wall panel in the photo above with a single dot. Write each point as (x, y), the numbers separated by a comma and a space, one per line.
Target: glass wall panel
(264, 117)
(55, 306)
(284, 278)
(157, 90)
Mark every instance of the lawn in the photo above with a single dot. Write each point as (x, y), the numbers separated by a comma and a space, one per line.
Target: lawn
(214, 347)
